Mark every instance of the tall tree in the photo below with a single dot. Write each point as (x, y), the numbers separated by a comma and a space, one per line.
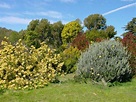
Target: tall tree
(43, 29)
(56, 29)
(79, 21)
(95, 21)
(97, 28)
(131, 26)
(32, 25)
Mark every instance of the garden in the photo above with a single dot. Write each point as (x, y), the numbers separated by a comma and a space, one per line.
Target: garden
(63, 63)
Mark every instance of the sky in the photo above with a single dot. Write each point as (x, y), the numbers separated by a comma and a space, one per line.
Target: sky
(16, 14)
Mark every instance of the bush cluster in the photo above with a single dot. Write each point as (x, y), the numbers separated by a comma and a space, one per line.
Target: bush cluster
(22, 68)
(107, 61)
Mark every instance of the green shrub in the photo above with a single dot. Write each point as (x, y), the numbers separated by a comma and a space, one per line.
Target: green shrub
(94, 35)
(22, 68)
(106, 61)
(70, 57)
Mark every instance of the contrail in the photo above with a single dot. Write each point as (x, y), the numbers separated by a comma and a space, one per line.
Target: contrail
(120, 8)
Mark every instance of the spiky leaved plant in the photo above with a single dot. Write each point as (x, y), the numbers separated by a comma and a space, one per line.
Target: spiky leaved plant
(106, 61)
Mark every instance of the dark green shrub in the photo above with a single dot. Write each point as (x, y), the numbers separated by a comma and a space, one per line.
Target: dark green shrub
(32, 38)
(94, 35)
(70, 57)
(2, 91)
(106, 61)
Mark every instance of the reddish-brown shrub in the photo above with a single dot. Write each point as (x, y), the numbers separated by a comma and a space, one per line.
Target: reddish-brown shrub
(81, 42)
(129, 41)
(99, 39)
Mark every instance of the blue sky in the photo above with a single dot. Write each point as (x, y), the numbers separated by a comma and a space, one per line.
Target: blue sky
(16, 14)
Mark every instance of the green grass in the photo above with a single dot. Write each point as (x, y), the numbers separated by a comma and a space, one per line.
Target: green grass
(69, 91)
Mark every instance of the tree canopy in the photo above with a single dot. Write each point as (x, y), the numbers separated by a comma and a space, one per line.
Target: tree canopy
(32, 25)
(97, 28)
(131, 26)
(56, 29)
(95, 21)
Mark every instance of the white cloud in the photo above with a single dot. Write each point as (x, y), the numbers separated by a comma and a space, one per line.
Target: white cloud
(14, 20)
(68, 1)
(51, 14)
(120, 8)
(10, 13)
(4, 5)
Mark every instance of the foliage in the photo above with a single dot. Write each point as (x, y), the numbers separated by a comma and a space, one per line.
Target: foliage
(131, 26)
(32, 38)
(95, 21)
(117, 38)
(69, 31)
(70, 57)
(32, 25)
(56, 29)
(43, 29)
(8, 33)
(97, 28)
(4, 32)
(14, 37)
(22, 68)
(22, 33)
(110, 31)
(129, 41)
(99, 39)
(49, 33)
(81, 42)
(99, 35)
(106, 61)
(94, 35)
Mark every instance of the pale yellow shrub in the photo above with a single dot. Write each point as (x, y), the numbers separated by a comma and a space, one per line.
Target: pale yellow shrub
(22, 68)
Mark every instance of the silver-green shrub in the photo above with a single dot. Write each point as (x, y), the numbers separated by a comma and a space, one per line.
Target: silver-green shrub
(106, 61)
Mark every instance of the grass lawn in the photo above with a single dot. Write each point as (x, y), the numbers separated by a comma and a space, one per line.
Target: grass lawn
(69, 91)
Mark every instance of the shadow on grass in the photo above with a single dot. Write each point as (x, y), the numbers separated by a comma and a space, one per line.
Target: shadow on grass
(2, 91)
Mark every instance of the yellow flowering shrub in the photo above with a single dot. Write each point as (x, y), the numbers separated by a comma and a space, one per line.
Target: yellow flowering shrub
(69, 32)
(22, 68)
